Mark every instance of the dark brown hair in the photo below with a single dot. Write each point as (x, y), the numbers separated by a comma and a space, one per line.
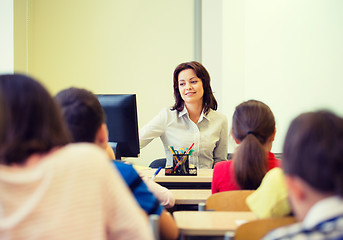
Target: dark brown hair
(209, 101)
(82, 112)
(30, 120)
(252, 124)
(313, 151)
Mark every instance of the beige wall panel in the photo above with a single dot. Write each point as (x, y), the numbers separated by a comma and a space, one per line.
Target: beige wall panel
(112, 46)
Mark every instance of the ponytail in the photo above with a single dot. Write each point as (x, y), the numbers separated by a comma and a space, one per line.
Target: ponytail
(250, 163)
(252, 124)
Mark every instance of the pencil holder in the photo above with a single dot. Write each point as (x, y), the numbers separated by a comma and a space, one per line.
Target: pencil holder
(181, 166)
(181, 163)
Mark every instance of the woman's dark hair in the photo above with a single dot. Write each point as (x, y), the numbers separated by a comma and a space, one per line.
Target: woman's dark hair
(82, 112)
(252, 124)
(313, 151)
(209, 101)
(30, 120)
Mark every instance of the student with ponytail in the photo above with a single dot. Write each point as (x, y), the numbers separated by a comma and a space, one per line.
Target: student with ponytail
(253, 128)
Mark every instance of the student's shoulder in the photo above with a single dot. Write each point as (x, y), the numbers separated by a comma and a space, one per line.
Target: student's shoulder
(124, 168)
(85, 153)
(80, 160)
(275, 173)
(223, 165)
(83, 148)
(144, 197)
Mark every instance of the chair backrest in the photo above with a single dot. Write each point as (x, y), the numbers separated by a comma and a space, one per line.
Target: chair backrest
(229, 156)
(256, 229)
(228, 201)
(278, 155)
(158, 163)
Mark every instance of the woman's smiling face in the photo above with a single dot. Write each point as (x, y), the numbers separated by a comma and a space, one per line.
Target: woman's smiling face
(190, 87)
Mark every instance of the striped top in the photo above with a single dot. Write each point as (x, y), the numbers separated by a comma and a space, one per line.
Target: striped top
(71, 193)
(324, 221)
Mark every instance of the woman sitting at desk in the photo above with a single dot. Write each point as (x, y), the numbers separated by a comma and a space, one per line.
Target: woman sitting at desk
(253, 128)
(192, 119)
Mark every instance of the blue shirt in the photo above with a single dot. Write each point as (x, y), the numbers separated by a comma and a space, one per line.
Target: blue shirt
(144, 197)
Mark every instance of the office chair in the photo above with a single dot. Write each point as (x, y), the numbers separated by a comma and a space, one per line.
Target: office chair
(278, 155)
(158, 163)
(229, 156)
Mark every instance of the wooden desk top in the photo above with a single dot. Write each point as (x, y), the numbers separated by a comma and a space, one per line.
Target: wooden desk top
(210, 223)
(190, 196)
(203, 176)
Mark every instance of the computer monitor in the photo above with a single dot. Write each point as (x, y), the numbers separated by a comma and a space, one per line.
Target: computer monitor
(121, 120)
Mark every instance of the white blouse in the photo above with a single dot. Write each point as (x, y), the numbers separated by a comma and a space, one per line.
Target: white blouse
(209, 135)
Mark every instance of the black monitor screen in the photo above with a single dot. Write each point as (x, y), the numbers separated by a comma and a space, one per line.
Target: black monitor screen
(121, 120)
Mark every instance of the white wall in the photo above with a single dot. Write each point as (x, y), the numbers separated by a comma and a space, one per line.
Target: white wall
(288, 54)
(6, 39)
(212, 50)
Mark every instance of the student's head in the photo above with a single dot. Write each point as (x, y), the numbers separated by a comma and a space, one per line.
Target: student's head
(31, 121)
(253, 127)
(84, 115)
(313, 158)
(201, 84)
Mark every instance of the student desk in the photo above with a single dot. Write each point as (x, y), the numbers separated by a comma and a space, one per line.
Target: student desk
(190, 196)
(209, 223)
(189, 199)
(203, 179)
